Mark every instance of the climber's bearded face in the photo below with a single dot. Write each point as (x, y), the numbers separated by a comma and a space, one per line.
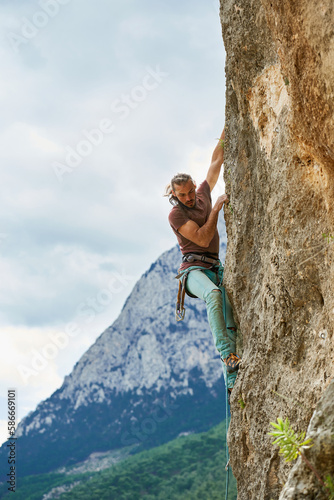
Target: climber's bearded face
(186, 193)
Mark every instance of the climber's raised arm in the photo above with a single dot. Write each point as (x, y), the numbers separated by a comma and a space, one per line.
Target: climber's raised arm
(216, 162)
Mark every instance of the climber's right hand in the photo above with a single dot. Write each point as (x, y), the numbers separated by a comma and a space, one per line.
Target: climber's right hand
(220, 201)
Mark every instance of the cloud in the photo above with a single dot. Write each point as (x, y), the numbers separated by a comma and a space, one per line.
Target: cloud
(62, 242)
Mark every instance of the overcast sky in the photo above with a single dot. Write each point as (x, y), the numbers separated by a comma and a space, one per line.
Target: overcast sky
(101, 104)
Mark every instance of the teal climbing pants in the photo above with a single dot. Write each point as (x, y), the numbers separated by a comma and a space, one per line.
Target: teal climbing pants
(207, 285)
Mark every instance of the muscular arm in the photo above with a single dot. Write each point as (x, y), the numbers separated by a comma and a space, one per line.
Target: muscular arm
(202, 236)
(216, 163)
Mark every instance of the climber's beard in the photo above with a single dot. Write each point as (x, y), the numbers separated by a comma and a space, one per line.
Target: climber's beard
(189, 204)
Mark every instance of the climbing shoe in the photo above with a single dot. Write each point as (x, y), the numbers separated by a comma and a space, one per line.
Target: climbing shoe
(232, 362)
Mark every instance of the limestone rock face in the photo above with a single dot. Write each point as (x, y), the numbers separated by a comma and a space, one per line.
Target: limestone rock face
(279, 173)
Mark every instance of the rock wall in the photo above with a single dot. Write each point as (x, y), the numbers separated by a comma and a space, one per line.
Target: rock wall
(279, 174)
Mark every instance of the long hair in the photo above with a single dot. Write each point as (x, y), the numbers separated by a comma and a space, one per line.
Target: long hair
(179, 180)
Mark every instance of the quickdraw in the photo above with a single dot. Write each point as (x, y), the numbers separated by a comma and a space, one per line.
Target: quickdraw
(180, 310)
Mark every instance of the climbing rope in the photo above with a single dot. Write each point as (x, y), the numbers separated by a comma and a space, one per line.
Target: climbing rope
(227, 466)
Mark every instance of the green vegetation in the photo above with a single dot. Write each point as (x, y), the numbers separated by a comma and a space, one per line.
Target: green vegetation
(188, 468)
(34, 487)
(241, 403)
(292, 445)
(330, 487)
(327, 236)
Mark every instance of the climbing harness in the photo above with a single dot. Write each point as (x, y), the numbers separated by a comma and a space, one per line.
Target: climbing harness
(183, 275)
(192, 257)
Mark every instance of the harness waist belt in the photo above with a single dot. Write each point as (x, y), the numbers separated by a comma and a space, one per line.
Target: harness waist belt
(191, 257)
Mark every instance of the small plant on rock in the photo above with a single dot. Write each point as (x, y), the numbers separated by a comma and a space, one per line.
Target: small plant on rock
(292, 445)
(328, 236)
(330, 487)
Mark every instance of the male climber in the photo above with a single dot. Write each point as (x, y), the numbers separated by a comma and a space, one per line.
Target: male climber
(194, 221)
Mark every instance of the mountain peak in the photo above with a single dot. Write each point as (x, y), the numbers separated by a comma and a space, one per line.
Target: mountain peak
(145, 367)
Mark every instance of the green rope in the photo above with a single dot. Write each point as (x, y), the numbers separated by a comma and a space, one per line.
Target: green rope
(227, 467)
